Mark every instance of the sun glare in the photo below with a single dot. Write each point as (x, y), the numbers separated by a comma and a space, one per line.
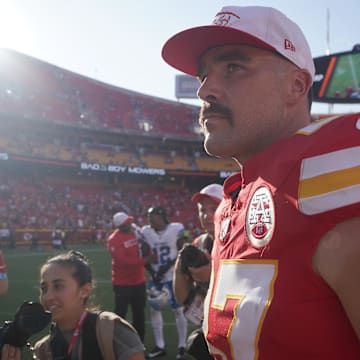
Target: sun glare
(14, 33)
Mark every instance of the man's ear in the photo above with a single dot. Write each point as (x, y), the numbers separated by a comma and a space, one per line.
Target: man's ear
(301, 83)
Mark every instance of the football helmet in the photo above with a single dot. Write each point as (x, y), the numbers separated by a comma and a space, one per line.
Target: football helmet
(158, 298)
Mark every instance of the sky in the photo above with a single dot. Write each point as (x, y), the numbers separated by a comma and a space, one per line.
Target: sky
(119, 41)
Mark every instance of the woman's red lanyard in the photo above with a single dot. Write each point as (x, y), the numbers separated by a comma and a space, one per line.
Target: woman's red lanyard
(76, 332)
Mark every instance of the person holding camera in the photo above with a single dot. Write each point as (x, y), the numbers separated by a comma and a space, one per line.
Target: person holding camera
(77, 332)
(207, 201)
(193, 268)
(30, 318)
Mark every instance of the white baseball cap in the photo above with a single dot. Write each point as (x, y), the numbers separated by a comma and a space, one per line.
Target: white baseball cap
(258, 26)
(121, 218)
(213, 191)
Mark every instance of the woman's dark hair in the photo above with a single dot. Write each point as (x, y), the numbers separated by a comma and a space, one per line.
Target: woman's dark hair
(80, 266)
(82, 272)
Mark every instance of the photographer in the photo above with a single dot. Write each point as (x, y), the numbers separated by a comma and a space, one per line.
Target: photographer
(77, 332)
(207, 201)
(193, 268)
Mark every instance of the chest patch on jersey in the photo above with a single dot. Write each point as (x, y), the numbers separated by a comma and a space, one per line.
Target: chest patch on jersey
(260, 217)
(224, 228)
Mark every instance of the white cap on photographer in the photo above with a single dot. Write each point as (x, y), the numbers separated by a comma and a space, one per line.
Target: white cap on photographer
(213, 191)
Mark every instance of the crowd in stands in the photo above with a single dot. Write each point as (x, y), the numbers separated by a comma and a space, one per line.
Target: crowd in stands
(49, 113)
(33, 205)
(65, 145)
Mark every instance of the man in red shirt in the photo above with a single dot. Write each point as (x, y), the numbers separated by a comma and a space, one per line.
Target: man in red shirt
(128, 273)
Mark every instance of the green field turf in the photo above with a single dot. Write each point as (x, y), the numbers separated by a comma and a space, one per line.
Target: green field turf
(346, 73)
(23, 271)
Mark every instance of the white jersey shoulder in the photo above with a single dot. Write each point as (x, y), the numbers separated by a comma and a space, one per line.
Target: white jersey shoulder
(164, 244)
(138, 232)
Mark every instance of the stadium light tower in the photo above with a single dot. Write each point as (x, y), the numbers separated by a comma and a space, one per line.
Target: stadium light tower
(327, 31)
(330, 106)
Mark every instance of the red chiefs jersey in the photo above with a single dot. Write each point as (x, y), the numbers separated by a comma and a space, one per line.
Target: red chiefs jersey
(126, 263)
(265, 302)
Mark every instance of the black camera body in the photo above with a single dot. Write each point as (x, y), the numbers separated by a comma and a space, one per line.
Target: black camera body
(191, 256)
(29, 319)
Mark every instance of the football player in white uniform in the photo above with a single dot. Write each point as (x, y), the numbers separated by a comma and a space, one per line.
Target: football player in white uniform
(165, 240)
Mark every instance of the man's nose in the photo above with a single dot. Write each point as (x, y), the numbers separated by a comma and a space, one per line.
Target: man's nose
(210, 89)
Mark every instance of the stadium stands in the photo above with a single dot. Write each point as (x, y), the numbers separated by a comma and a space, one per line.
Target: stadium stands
(39, 205)
(36, 90)
(73, 150)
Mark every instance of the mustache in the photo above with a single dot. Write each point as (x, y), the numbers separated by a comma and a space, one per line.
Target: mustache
(214, 108)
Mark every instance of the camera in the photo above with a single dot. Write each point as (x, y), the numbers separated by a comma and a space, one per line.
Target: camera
(191, 256)
(29, 319)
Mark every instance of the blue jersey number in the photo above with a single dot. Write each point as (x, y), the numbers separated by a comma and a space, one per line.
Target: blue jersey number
(162, 254)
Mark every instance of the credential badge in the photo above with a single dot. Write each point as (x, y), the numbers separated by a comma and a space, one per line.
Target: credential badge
(260, 217)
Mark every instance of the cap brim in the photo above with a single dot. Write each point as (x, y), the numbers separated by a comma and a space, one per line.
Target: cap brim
(183, 50)
(130, 219)
(198, 197)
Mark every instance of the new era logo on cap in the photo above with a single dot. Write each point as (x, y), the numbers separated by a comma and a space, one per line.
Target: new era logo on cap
(288, 45)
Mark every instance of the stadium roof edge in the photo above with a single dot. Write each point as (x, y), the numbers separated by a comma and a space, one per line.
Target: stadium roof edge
(100, 83)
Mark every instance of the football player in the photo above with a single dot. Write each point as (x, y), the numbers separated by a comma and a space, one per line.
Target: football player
(165, 239)
(285, 260)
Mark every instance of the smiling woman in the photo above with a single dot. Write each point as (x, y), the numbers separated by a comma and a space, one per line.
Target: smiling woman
(65, 287)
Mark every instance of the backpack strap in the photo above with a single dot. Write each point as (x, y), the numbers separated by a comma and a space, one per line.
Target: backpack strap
(58, 344)
(90, 347)
(105, 333)
(98, 332)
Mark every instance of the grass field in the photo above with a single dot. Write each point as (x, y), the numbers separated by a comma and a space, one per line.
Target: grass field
(346, 73)
(23, 271)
